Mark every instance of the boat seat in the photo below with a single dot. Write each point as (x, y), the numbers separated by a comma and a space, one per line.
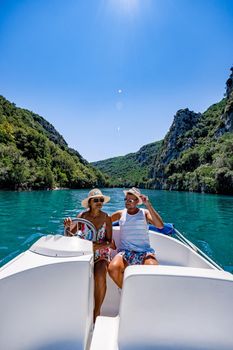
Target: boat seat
(169, 251)
(176, 308)
(47, 301)
(171, 308)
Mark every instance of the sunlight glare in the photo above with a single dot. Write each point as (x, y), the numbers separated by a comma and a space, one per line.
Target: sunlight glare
(128, 7)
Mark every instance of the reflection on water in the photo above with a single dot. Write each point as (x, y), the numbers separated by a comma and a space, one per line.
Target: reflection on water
(206, 220)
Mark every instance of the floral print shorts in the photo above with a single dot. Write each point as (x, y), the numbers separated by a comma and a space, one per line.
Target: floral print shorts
(135, 258)
(102, 254)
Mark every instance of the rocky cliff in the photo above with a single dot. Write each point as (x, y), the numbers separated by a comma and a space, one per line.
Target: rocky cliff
(175, 142)
(228, 112)
(196, 154)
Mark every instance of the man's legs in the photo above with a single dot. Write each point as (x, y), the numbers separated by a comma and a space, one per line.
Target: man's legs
(117, 266)
(116, 269)
(150, 260)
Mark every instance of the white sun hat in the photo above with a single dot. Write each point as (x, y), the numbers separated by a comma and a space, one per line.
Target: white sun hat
(95, 193)
(136, 192)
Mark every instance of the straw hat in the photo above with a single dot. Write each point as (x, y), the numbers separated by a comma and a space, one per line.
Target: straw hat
(93, 194)
(136, 192)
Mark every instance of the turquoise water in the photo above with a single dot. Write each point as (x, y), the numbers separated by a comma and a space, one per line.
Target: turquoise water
(207, 220)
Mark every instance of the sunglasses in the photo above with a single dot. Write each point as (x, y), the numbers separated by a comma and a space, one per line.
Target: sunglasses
(130, 200)
(97, 200)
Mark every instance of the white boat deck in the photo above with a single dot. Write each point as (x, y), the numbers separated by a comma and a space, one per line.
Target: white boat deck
(185, 303)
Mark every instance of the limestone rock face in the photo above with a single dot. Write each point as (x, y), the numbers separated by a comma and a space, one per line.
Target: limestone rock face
(173, 144)
(227, 116)
(184, 120)
(229, 84)
(228, 113)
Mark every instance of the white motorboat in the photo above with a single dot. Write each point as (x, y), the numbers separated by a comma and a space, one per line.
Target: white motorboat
(46, 303)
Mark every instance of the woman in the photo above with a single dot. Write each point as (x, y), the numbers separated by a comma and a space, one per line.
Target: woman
(102, 247)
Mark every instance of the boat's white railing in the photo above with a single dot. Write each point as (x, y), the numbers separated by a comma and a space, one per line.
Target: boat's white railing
(184, 240)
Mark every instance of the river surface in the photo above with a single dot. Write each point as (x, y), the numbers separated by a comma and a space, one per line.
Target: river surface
(206, 220)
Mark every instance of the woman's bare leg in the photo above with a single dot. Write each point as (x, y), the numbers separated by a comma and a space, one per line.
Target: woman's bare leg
(100, 271)
(116, 270)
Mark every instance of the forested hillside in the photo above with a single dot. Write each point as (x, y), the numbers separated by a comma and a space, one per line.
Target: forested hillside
(131, 169)
(195, 155)
(33, 155)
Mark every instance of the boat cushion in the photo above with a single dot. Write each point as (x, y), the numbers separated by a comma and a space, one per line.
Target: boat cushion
(178, 308)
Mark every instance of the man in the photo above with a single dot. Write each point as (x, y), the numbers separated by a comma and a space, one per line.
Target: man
(134, 247)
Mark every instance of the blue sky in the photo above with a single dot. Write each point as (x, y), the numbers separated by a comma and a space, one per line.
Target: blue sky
(111, 74)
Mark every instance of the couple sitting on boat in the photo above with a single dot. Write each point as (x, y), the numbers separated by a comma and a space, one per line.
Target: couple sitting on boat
(134, 246)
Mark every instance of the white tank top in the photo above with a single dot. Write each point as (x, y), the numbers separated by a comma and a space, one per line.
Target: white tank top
(134, 232)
